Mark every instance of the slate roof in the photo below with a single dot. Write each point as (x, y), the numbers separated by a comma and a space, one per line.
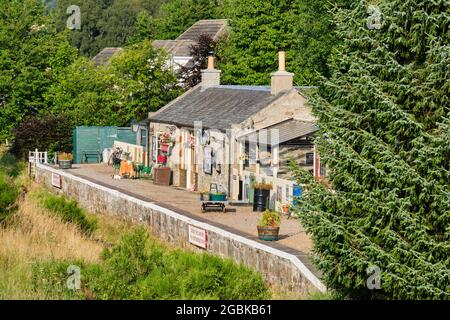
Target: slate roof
(175, 47)
(217, 107)
(181, 46)
(104, 56)
(214, 28)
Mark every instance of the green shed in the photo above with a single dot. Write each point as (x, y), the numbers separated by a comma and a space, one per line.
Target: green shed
(89, 141)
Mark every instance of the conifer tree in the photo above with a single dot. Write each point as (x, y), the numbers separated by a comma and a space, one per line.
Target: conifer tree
(384, 119)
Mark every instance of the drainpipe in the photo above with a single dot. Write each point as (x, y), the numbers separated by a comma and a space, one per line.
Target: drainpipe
(229, 164)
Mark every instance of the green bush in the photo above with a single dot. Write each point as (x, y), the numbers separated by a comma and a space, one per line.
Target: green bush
(134, 270)
(270, 219)
(69, 211)
(8, 195)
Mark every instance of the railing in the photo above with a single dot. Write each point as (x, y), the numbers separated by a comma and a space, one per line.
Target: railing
(38, 156)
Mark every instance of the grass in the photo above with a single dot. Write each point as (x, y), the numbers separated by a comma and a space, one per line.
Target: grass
(118, 260)
(44, 234)
(69, 211)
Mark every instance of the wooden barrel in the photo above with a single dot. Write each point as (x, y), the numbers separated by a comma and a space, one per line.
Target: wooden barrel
(268, 233)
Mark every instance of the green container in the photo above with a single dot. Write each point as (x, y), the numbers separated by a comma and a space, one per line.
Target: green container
(217, 197)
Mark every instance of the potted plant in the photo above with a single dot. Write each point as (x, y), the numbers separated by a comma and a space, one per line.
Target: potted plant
(285, 208)
(269, 226)
(261, 196)
(204, 195)
(65, 160)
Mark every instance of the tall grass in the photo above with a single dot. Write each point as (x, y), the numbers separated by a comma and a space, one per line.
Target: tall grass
(70, 212)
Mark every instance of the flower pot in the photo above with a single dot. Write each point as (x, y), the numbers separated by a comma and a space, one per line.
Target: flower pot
(260, 199)
(65, 164)
(268, 233)
(162, 159)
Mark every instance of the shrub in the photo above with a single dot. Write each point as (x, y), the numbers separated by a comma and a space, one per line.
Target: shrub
(50, 133)
(8, 196)
(269, 219)
(263, 186)
(69, 211)
(65, 156)
(134, 270)
(49, 279)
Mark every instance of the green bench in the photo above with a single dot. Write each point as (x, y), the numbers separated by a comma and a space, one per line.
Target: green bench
(92, 154)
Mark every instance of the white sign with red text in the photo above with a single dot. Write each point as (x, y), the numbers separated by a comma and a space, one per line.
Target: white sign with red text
(198, 237)
(56, 180)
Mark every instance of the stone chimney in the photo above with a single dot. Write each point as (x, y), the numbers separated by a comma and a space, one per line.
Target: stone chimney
(281, 80)
(210, 76)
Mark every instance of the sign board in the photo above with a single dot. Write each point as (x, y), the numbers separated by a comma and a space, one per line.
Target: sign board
(56, 180)
(198, 237)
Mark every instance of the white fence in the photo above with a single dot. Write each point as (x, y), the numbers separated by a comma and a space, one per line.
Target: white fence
(38, 156)
(137, 153)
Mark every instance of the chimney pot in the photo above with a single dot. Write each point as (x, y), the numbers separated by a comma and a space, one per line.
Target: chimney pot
(211, 63)
(281, 61)
(210, 76)
(281, 80)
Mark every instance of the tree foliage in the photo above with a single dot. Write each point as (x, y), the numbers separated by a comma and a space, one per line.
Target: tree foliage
(191, 74)
(384, 118)
(175, 16)
(133, 84)
(104, 23)
(51, 133)
(32, 56)
(259, 29)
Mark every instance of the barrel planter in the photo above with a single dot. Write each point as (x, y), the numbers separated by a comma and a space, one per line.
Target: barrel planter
(65, 164)
(268, 233)
(260, 199)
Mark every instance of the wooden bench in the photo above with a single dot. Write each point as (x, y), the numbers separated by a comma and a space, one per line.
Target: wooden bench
(92, 154)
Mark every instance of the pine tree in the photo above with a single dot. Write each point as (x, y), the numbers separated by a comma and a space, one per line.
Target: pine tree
(384, 119)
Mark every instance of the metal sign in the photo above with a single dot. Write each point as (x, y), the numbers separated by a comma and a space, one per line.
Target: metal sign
(198, 237)
(56, 180)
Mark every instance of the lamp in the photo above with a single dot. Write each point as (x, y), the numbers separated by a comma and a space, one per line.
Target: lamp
(134, 125)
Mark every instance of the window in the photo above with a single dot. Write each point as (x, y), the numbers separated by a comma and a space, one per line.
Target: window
(309, 158)
(144, 138)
